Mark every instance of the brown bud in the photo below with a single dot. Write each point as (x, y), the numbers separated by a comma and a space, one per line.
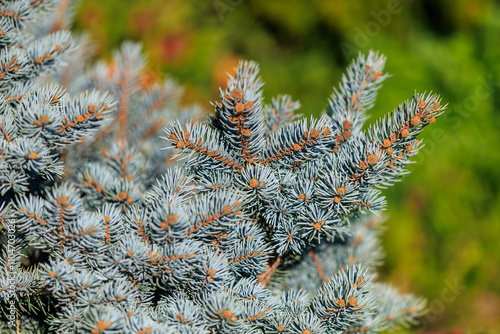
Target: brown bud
(239, 107)
(415, 120)
(347, 125)
(254, 183)
(227, 314)
(172, 219)
(237, 94)
(314, 133)
(372, 159)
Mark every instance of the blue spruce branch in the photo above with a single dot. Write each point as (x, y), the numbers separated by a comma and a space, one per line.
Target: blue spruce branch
(270, 226)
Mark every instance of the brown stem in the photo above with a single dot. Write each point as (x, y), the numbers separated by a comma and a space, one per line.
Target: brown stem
(122, 111)
(319, 268)
(266, 277)
(59, 22)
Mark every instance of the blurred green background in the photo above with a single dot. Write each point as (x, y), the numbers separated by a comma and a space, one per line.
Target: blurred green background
(443, 228)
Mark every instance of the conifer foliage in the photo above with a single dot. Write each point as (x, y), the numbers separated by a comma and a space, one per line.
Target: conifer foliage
(269, 227)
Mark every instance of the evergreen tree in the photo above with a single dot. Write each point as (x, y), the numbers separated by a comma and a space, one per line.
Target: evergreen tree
(270, 227)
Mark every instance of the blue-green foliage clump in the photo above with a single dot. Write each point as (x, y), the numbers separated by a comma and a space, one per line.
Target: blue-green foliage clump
(269, 227)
